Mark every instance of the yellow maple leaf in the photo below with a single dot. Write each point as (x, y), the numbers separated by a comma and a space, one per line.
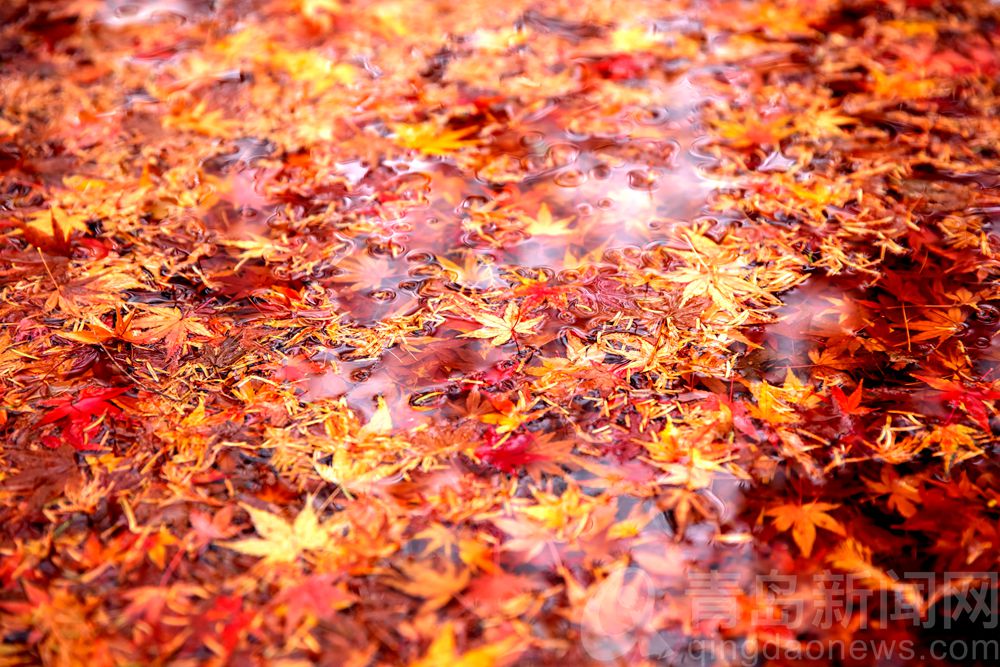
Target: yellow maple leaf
(354, 471)
(556, 512)
(443, 651)
(717, 271)
(380, 422)
(725, 286)
(473, 272)
(633, 38)
(770, 407)
(498, 40)
(905, 85)
(49, 221)
(392, 16)
(544, 225)
(321, 13)
(502, 329)
(823, 122)
(201, 120)
(511, 418)
(781, 405)
(281, 541)
(955, 443)
(430, 139)
(315, 70)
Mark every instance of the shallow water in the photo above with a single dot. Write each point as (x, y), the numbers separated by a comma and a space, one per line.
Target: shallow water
(414, 332)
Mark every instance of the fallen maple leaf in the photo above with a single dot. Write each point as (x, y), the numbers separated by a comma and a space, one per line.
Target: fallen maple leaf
(903, 492)
(429, 138)
(973, 400)
(544, 225)
(435, 587)
(171, 326)
(803, 520)
(282, 541)
(380, 422)
(318, 596)
(443, 651)
(57, 222)
(207, 528)
(509, 454)
(849, 404)
(78, 411)
(503, 329)
(91, 401)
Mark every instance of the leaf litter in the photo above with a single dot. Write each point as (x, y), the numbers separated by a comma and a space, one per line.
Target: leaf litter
(455, 333)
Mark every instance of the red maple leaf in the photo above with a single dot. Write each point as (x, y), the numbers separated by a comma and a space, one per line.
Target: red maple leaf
(972, 400)
(78, 412)
(508, 455)
(320, 596)
(849, 404)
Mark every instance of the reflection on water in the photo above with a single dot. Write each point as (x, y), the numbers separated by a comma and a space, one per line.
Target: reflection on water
(572, 322)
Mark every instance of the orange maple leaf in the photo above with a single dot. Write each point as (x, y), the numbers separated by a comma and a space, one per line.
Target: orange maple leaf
(171, 326)
(803, 520)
